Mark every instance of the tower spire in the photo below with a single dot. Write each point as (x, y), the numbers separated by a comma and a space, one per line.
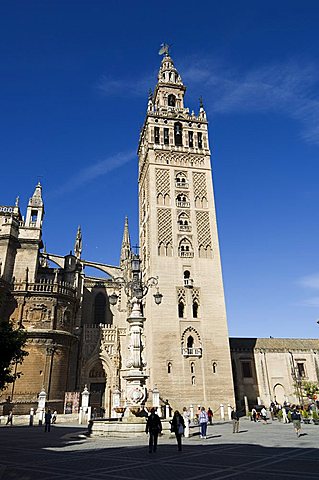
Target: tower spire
(35, 209)
(126, 244)
(36, 199)
(78, 243)
(168, 73)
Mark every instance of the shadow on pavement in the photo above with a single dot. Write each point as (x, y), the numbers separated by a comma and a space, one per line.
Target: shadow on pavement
(29, 454)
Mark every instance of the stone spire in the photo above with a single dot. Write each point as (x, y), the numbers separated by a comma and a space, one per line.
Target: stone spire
(78, 243)
(126, 245)
(169, 91)
(36, 199)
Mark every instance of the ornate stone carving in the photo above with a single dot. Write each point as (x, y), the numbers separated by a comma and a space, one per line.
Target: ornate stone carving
(179, 159)
(164, 226)
(203, 229)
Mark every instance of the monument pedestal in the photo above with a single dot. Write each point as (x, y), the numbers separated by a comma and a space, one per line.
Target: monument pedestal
(128, 427)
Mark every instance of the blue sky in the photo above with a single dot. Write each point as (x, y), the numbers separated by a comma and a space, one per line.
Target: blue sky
(74, 78)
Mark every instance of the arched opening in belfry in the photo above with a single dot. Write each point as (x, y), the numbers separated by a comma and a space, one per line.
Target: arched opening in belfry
(171, 100)
(178, 134)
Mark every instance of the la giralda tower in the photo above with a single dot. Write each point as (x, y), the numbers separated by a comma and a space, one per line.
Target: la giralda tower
(186, 337)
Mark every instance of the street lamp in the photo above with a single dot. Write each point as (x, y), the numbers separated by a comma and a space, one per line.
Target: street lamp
(136, 289)
(158, 297)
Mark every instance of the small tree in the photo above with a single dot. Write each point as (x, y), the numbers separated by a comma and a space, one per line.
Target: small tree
(310, 389)
(12, 353)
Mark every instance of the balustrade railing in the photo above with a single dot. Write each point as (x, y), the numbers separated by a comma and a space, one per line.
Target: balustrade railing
(192, 352)
(186, 254)
(185, 228)
(188, 282)
(182, 204)
(181, 184)
(61, 288)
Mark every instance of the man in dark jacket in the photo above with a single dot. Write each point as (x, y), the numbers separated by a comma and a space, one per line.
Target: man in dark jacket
(235, 418)
(154, 428)
(177, 427)
(47, 421)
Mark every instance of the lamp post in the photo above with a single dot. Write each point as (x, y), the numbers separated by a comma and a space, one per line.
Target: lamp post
(136, 290)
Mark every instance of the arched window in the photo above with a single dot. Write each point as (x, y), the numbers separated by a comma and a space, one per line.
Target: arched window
(178, 134)
(193, 380)
(169, 367)
(181, 180)
(171, 100)
(162, 249)
(160, 199)
(214, 367)
(190, 342)
(195, 309)
(183, 222)
(181, 197)
(181, 308)
(99, 308)
(192, 367)
(187, 274)
(185, 248)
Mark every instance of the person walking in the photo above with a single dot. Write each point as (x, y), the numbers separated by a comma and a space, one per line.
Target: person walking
(47, 421)
(187, 421)
(263, 413)
(210, 415)
(203, 421)
(54, 416)
(153, 428)
(254, 414)
(296, 420)
(177, 427)
(10, 418)
(235, 419)
(284, 415)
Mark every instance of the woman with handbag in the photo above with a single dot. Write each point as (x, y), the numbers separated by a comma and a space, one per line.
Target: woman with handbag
(177, 427)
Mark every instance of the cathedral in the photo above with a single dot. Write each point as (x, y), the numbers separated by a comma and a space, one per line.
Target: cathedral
(157, 323)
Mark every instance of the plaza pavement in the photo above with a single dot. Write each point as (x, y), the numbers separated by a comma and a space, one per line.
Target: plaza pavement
(258, 452)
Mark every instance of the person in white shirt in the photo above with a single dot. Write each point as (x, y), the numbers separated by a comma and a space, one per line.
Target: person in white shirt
(203, 421)
(263, 414)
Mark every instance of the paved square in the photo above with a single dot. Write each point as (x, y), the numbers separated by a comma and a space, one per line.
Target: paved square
(271, 452)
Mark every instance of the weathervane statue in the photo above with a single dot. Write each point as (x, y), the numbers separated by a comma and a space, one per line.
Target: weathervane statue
(164, 50)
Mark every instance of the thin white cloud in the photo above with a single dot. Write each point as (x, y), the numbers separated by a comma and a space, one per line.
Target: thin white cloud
(309, 302)
(94, 171)
(310, 281)
(288, 88)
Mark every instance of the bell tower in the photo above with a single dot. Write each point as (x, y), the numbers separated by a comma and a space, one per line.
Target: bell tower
(187, 346)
